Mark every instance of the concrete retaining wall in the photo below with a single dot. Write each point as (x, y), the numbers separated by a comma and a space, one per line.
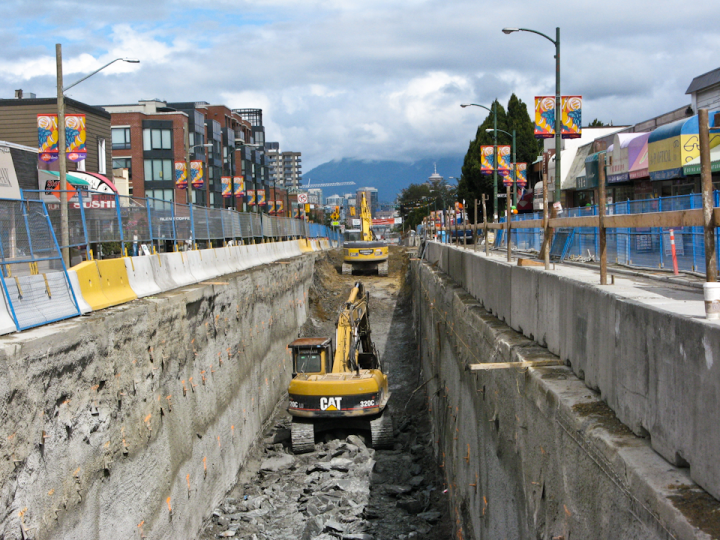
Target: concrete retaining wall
(134, 420)
(532, 453)
(653, 362)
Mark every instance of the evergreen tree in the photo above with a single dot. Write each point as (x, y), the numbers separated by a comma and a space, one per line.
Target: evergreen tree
(597, 123)
(527, 148)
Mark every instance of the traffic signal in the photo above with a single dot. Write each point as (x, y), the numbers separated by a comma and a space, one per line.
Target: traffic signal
(352, 210)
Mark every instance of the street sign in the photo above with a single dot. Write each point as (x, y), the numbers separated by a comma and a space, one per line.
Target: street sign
(302, 198)
(502, 195)
(335, 223)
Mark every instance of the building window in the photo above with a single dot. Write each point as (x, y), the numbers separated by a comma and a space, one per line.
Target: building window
(121, 138)
(158, 170)
(162, 194)
(123, 163)
(102, 158)
(157, 139)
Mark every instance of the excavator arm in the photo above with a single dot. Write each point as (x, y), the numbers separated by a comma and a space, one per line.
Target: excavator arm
(366, 220)
(355, 349)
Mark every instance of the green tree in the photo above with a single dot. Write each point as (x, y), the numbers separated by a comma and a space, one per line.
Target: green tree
(417, 201)
(596, 123)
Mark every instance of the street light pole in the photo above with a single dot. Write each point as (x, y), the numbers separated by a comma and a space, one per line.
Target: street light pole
(62, 146)
(507, 194)
(495, 186)
(558, 110)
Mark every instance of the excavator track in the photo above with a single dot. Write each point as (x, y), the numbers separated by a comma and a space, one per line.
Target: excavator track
(383, 268)
(347, 269)
(382, 431)
(302, 436)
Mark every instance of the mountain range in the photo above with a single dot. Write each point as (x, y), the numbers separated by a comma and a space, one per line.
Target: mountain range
(389, 177)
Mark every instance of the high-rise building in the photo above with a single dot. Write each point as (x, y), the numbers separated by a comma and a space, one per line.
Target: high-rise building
(371, 197)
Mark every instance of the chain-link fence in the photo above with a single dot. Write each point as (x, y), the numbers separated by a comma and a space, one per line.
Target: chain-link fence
(112, 224)
(36, 287)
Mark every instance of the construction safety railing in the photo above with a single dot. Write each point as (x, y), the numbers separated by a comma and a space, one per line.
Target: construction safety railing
(109, 224)
(638, 232)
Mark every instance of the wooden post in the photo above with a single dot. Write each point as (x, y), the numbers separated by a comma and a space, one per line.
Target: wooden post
(546, 227)
(475, 231)
(601, 219)
(464, 214)
(707, 197)
(484, 199)
(508, 212)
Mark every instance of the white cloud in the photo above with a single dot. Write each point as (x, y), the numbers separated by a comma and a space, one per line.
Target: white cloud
(365, 78)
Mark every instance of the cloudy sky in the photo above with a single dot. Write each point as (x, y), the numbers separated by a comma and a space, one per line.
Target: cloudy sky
(366, 79)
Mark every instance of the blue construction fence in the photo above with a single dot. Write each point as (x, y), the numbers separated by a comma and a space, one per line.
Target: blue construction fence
(647, 247)
(99, 218)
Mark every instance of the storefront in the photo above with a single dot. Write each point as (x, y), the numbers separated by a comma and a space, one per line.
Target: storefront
(692, 169)
(670, 148)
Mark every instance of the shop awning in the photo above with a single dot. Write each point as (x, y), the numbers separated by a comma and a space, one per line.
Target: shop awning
(618, 170)
(693, 167)
(673, 146)
(577, 169)
(71, 178)
(592, 171)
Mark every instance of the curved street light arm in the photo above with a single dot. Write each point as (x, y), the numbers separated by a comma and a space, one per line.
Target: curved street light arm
(539, 34)
(130, 60)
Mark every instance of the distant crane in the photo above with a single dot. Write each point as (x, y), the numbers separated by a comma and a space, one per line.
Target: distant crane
(331, 184)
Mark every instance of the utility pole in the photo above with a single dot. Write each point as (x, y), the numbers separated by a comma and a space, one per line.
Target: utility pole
(62, 164)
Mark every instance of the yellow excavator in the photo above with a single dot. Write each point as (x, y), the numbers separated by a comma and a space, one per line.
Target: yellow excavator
(344, 388)
(361, 250)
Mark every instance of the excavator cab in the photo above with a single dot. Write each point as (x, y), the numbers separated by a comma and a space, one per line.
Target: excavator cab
(311, 355)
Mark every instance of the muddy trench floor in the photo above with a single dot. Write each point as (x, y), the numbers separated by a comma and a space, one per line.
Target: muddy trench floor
(345, 489)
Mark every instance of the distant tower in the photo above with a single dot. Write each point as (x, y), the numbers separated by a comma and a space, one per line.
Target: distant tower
(435, 178)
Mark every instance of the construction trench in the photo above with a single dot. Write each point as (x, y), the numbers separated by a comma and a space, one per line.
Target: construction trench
(165, 418)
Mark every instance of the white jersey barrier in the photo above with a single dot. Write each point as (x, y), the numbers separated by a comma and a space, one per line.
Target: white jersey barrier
(140, 276)
(75, 284)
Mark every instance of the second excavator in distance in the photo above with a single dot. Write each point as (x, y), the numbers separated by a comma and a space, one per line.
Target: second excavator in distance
(344, 387)
(361, 250)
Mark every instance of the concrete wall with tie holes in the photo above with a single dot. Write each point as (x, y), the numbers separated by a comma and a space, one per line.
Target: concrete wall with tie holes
(532, 452)
(132, 422)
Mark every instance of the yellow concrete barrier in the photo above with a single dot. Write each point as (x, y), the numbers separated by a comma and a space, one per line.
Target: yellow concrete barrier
(104, 283)
(304, 245)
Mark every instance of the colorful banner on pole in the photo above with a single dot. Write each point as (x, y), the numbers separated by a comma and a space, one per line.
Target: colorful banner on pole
(521, 174)
(197, 177)
(226, 186)
(504, 162)
(271, 206)
(571, 117)
(261, 197)
(75, 136)
(487, 159)
(279, 206)
(181, 175)
(47, 137)
(544, 117)
(251, 197)
(239, 185)
(296, 211)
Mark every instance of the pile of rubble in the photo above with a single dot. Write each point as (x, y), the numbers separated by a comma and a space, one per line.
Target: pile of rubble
(342, 490)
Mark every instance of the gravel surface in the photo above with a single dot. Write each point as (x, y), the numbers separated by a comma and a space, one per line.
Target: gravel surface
(345, 489)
